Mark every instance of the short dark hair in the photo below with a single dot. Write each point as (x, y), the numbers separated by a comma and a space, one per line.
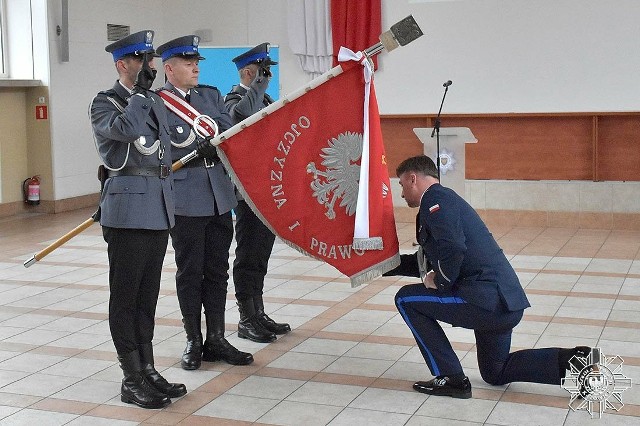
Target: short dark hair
(418, 164)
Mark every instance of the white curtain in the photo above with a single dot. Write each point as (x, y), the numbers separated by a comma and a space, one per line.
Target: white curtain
(309, 28)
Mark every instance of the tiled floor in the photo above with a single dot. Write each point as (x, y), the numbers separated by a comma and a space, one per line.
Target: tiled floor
(350, 359)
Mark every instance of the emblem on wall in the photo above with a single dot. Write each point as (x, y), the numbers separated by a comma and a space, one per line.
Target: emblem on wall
(447, 161)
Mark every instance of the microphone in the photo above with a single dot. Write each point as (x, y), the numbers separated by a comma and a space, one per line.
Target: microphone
(448, 83)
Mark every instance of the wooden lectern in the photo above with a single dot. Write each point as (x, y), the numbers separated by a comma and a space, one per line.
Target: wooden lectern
(452, 147)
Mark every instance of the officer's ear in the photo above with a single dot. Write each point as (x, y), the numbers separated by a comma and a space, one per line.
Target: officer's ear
(123, 64)
(167, 68)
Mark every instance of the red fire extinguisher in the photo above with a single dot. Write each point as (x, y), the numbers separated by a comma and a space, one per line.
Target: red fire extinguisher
(31, 190)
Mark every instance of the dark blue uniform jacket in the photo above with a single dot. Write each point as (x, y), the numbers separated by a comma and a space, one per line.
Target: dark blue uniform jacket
(463, 254)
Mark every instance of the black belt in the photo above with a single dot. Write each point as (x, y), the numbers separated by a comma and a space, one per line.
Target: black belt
(161, 171)
(203, 162)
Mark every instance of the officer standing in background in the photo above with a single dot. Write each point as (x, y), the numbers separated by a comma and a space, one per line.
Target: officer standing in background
(203, 231)
(137, 210)
(467, 282)
(254, 240)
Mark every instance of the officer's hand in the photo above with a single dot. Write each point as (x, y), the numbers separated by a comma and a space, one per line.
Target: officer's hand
(429, 280)
(205, 149)
(265, 70)
(260, 82)
(145, 76)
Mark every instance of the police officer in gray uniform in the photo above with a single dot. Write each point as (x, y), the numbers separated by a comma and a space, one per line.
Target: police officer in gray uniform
(203, 231)
(137, 209)
(467, 282)
(254, 240)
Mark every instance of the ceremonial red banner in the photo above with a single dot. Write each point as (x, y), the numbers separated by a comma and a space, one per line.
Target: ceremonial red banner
(299, 169)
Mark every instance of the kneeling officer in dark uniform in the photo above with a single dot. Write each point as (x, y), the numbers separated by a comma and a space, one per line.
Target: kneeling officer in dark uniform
(204, 198)
(467, 282)
(137, 209)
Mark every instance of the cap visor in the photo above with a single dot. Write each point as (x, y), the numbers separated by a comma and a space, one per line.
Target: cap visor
(188, 55)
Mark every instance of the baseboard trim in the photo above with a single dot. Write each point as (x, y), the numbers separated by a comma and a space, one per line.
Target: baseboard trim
(542, 219)
(513, 218)
(48, 206)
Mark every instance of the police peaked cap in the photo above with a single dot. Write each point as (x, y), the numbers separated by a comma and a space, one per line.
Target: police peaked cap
(185, 46)
(133, 44)
(257, 55)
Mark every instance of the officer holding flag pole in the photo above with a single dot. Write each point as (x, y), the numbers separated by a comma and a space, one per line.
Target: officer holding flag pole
(203, 231)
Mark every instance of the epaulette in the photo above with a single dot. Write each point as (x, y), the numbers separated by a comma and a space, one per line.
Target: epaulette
(232, 95)
(113, 96)
(109, 92)
(207, 86)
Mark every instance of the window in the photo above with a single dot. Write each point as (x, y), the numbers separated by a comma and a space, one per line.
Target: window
(3, 58)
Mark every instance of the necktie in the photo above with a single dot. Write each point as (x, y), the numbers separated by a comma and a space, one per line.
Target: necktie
(188, 98)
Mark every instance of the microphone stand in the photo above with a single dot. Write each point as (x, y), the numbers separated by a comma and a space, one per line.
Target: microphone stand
(436, 126)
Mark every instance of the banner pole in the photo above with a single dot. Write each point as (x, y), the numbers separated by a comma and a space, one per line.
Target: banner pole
(60, 241)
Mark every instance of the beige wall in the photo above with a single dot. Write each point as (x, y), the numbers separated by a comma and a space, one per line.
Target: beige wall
(39, 142)
(13, 143)
(25, 146)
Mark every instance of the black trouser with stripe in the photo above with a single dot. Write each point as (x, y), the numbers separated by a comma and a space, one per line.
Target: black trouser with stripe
(422, 308)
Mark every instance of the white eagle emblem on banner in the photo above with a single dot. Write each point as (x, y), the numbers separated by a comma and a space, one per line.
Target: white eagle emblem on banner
(340, 178)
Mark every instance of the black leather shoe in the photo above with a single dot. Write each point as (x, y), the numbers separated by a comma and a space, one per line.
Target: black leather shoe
(136, 390)
(249, 327)
(265, 321)
(172, 390)
(271, 325)
(571, 359)
(216, 347)
(442, 386)
(221, 350)
(192, 355)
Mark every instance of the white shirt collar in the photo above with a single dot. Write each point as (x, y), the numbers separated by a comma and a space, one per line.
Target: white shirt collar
(184, 94)
(126, 88)
(245, 87)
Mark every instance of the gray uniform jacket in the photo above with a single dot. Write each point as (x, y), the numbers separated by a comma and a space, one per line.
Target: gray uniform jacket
(199, 190)
(242, 103)
(132, 131)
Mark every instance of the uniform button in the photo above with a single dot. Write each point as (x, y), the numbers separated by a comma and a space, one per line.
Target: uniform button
(145, 106)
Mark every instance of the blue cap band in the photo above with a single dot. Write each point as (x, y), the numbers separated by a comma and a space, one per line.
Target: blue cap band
(119, 53)
(255, 57)
(180, 50)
